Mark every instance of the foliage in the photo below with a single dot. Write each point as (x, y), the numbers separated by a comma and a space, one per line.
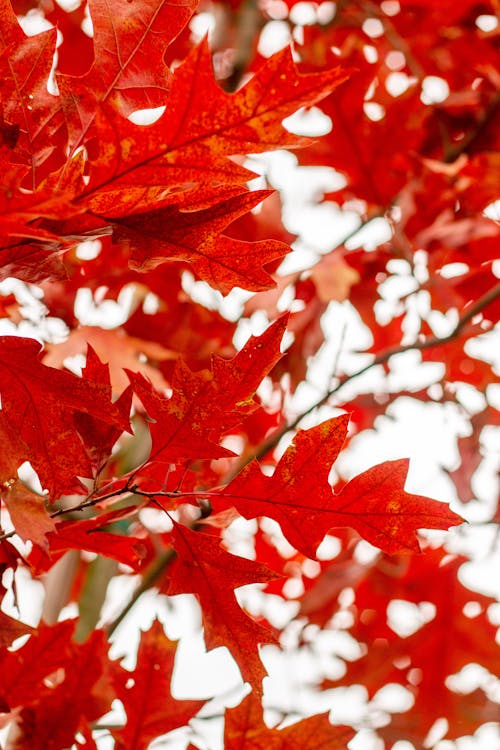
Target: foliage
(163, 416)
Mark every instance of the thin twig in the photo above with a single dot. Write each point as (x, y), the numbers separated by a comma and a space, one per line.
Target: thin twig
(87, 503)
(152, 574)
(381, 358)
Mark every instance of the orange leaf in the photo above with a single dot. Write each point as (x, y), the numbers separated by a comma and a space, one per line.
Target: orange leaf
(28, 514)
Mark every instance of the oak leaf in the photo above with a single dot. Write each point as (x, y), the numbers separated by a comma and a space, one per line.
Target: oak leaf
(168, 234)
(25, 64)
(206, 404)
(150, 707)
(205, 569)
(91, 534)
(130, 42)
(244, 729)
(300, 498)
(75, 697)
(41, 402)
(23, 671)
(202, 126)
(423, 661)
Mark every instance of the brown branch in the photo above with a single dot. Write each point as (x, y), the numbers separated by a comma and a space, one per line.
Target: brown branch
(152, 574)
(381, 358)
(89, 503)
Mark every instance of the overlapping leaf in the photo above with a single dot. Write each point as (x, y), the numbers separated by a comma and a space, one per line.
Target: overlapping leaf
(422, 662)
(55, 714)
(206, 404)
(29, 112)
(130, 41)
(244, 729)
(40, 404)
(168, 234)
(93, 535)
(200, 129)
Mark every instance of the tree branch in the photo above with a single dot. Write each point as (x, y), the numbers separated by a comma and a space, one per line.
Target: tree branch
(418, 345)
(152, 574)
(165, 558)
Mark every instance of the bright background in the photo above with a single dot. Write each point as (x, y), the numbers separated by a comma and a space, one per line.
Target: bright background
(426, 433)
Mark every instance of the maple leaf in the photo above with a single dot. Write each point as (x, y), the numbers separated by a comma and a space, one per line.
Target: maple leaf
(206, 404)
(244, 729)
(205, 569)
(40, 403)
(151, 709)
(299, 497)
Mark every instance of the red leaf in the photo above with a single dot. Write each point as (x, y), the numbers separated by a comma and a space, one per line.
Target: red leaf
(423, 661)
(40, 403)
(244, 729)
(196, 237)
(191, 144)
(89, 535)
(51, 722)
(25, 64)
(128, 71)
(145, 693)
(299, 497)
(206, 404)
(204, 568)
(100, 436)
(11, 629)
(23, 671)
